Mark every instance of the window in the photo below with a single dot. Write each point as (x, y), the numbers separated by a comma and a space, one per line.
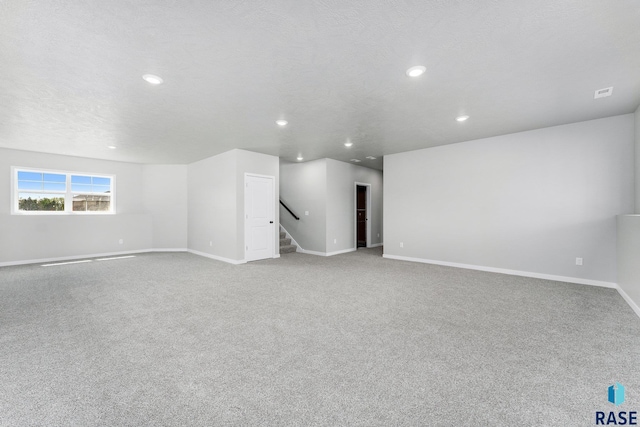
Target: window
(62, 192)
(91, 193)
(39, 191)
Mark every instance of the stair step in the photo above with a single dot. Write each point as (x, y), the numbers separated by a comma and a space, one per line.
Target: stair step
(285, 242)
(283, 234)
(287, 249)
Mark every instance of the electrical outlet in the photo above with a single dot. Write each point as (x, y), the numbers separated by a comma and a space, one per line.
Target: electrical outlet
(335, 241)
(378, 234)
(306, 212)
(578, 261)
(402, 244)
(121, 241)
(210, 243)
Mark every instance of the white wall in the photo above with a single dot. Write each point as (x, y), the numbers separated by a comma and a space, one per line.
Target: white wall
(637, 156)
(341, 208)
(530, 202)
(629, 236)
(303, 187)
(165, 198)
(25, 238)
(216, 202)
(260, 164)
(212, 206)
(628, 256)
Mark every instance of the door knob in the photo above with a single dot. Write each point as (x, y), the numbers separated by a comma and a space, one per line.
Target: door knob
(270, 222)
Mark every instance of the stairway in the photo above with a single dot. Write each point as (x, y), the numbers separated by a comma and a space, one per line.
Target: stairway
(285, 244)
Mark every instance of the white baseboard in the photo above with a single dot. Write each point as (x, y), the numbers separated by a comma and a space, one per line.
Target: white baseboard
(89, 256)
(375, 245)
(506, 271)
(305, 251)
(343, 251)
(111, 254)
(276, 256)
(217, 258)
(629, 301)
(73, 257)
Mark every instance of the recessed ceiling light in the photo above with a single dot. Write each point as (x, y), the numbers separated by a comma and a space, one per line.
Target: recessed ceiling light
(153, 79)
(461, 118)
(281, 122)
(113, 147)
(416, 71)
(371, 158)
(348, 144)
(356, 160)
(300, 158)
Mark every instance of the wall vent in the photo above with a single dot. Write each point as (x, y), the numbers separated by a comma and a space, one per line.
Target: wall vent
(602, 93)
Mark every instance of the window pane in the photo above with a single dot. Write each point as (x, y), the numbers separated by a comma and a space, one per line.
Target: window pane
(91, 203)
(40, 202)
(29, 185)
(41, 181)
(79, 179)
(54, 177)
(29, 176)
(81, 188)
(55, 186)
(101, 189)
(101, 181)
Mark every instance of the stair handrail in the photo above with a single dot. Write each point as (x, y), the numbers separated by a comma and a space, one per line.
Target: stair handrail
(289, 210)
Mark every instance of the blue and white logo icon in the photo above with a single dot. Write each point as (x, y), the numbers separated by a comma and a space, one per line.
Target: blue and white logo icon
(616, 394)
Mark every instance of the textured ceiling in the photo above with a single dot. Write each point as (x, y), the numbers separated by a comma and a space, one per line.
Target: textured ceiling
(70, 74)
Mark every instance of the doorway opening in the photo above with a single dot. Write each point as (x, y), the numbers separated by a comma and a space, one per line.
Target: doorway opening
(363, 209)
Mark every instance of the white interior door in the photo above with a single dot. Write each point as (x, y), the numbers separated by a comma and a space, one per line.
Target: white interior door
(259, 231)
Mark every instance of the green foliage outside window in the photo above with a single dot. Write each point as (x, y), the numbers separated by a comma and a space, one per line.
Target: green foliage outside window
(43, 204)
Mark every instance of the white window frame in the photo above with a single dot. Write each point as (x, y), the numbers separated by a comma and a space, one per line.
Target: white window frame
(68, 194)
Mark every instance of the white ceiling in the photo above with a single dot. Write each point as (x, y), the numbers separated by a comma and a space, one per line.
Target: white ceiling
(70, 74)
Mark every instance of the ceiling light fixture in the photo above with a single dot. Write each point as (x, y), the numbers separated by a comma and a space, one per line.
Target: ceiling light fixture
(153, 79)
(461, 118)
(416, 71)
(113, 147)
(348, 144)
(300, 158)
(371, 158)
(281, 122)
(356, 160)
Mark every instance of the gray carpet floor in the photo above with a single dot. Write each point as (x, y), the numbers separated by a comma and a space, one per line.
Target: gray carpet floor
(173, 339)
